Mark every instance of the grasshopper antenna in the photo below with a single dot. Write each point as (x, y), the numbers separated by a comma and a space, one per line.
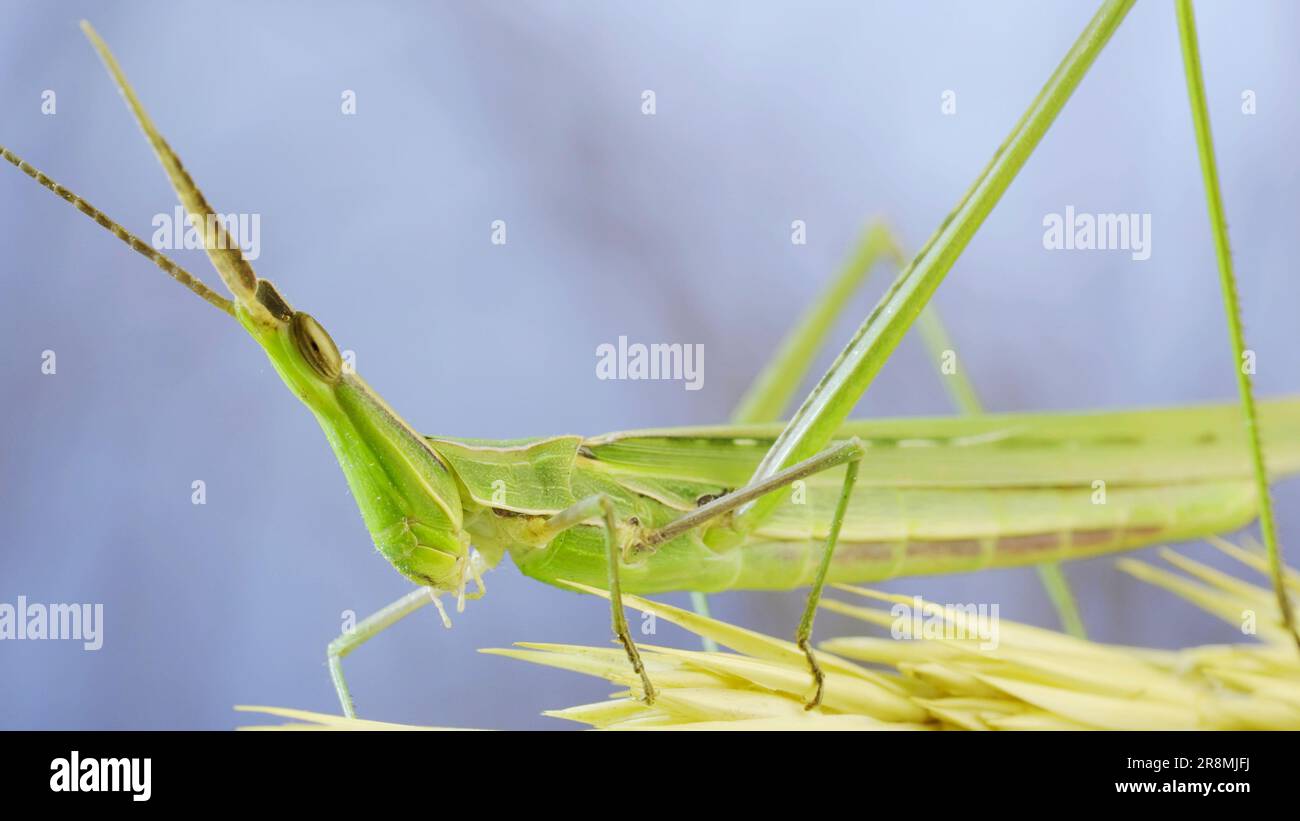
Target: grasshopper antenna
(173, 270)
(222, 251)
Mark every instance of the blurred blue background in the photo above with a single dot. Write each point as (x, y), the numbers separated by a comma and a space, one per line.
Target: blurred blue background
(673, 227)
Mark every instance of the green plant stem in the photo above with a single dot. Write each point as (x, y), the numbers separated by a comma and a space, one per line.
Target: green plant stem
(1231, 305)
(771, 392)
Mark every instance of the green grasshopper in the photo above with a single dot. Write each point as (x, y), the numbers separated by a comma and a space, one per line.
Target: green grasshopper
(757, 504)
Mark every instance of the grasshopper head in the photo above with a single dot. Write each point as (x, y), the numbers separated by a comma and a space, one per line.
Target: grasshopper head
(408, 498)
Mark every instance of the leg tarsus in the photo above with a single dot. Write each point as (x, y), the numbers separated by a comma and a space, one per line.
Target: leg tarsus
(819, 678)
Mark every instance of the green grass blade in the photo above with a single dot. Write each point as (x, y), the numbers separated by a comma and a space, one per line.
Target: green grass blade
(771, 392)
(1058, 590)
(937, 342)
(839, 390)
(700, 604)
(1231, 305)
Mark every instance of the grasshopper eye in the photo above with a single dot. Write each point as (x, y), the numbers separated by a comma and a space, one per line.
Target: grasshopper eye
(316, 346)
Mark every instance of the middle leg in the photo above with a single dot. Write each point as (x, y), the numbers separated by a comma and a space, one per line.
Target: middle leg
(601, 505)
(850, 452)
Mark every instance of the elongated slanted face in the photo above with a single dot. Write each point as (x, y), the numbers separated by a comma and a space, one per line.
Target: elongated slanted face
(408, 498)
